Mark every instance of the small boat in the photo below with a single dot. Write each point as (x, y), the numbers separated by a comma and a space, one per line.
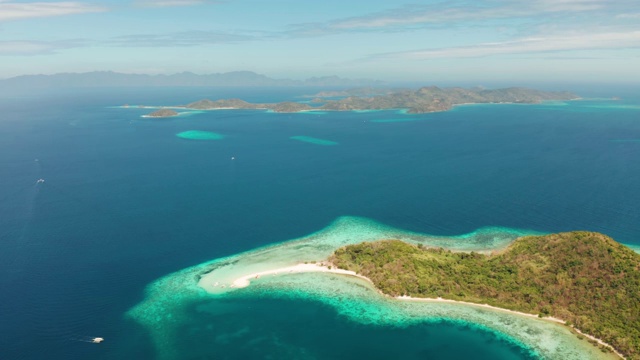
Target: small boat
(97, 340)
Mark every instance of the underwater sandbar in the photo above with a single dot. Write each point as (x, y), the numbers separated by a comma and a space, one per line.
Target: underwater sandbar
(200, 135)
(312, 140)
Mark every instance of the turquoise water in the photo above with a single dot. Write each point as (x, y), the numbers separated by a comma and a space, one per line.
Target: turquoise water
(253, 325)
(170, 300)
(128, 208)
(312, 140)
(200, 135)
(404, 119)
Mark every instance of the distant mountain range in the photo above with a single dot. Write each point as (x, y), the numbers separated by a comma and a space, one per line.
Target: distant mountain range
(235, 78)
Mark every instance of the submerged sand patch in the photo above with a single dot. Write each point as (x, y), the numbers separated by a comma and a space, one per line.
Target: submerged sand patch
(315, 141)
(200, 135)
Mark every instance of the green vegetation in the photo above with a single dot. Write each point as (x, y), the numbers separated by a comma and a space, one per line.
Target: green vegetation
(584, 278)
(432, 99)
(207, 104)
(288, 107)
(282, 107)
(163, 113)
(424, 100)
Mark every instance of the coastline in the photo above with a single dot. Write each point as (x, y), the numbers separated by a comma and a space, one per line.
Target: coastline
(495, 308)
(168, 300)
(244, 281)
(404, 110)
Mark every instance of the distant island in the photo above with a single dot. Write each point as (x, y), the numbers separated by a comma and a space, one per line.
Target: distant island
(585, 279)
(162, 113)
(424, 100)
(285, 106)
(359, 91)
(433, 99)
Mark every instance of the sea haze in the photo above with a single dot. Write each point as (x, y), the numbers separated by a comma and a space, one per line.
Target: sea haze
(125, 201)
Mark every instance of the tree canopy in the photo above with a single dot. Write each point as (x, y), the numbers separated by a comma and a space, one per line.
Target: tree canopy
(585, 278)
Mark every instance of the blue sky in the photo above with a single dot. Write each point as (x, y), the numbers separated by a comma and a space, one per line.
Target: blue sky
(459, 40)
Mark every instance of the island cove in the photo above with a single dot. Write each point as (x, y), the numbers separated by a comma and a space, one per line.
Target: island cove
(424, 100)
(291, 270)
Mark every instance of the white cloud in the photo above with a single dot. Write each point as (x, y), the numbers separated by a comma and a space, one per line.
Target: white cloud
(15, 10)
(171, 3)
(186, 38)
(8, 48)
(454, 12)
(22, 48)
(568, 5)
(629, 16)
(611, 40)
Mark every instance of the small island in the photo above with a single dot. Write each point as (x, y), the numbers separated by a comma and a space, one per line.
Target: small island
(435, 99)
(590, 278)
(424, 100)
(229, 104)
(584, 279)
(162, 113)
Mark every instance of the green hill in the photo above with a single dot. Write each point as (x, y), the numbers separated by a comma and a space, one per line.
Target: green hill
(584, 278)
(432, 98)
(163, 113)
(424, 100)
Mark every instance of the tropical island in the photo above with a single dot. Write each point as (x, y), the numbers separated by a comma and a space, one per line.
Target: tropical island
(585, 279)
(559, 267)
(359, 91)
(423, 100)
(162, 113)
(433, 99)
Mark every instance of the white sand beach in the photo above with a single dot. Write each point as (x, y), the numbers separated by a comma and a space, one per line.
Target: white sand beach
(244, 281)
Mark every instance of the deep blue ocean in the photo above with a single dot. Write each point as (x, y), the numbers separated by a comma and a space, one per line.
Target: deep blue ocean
(124, 201)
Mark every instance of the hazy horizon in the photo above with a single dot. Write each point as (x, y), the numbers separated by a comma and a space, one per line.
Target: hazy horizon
(425, 41)
(583, 88)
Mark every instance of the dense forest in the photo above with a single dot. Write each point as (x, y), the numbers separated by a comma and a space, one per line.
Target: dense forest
(584, 278)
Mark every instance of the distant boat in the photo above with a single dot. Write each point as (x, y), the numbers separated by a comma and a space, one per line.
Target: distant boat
(97, 340)
(40, 181)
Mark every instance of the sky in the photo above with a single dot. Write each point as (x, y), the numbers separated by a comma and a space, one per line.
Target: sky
(456, 40)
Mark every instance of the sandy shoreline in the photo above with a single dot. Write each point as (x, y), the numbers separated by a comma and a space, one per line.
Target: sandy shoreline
(245, 281)
(486, 306)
